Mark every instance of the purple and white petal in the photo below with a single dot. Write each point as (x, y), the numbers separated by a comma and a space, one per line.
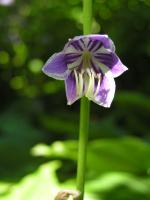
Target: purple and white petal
(106, 91)
(109, 59)
(75, 63)
(96, 39)
(70, 49)
(112, 46)
(104, 39)
(72, 57)
(91, 41)
(118, 69)
(100, 66)
(56, 66)
(70, 86)
(74, 46)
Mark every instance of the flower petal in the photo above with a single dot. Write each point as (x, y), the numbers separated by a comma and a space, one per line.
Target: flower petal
(75, 64)
(104, 39)
(72, 57)
(106, 91)
(70, 85)
(118, 69)
(109, 61)
(56, 66)
(107, 42)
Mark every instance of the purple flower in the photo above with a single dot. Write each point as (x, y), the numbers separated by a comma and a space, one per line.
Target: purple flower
(88, 65)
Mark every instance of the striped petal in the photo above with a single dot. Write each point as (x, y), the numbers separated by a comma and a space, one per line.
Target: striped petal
(95, 38)
(56, 67)
(104, 39)
(110, 61)
(75, 63)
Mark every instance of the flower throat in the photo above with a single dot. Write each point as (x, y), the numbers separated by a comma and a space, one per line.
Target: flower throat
(86, 59)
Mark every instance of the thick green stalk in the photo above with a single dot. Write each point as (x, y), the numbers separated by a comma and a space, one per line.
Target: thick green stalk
(84, 111)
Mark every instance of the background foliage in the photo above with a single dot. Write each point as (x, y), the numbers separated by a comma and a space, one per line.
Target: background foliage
(38, 132)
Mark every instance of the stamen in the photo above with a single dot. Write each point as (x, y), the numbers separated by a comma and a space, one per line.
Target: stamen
(77, 82)
(80, 84)
(90, 88)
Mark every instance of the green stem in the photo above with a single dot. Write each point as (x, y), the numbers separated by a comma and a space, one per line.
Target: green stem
(84, 111)
(87, 16)
(83, 140)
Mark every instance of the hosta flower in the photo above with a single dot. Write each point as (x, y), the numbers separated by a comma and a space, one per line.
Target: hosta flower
(88, 65)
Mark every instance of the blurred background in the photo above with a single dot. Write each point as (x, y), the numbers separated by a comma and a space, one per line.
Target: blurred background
(39, 132)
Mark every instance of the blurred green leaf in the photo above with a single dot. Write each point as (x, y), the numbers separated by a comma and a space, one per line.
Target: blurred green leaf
(126, 154)
(42, 184)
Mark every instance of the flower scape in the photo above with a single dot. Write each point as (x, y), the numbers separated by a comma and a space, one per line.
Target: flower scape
(88, 64)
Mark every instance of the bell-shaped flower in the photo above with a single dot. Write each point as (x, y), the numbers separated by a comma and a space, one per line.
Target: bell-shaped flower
(88, 65)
